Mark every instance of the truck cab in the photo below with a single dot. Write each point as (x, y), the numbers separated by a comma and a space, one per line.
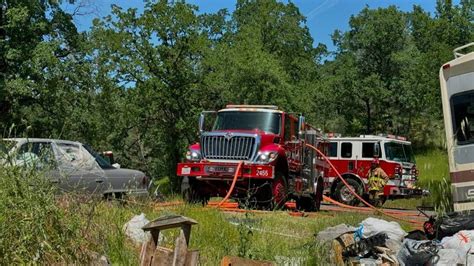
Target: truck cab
(270, 143)
(352, 157)
(457, 95)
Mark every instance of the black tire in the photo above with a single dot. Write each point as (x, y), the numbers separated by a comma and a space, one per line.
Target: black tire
(343, 195)
(305, 203)
(311, 203)
(279, 197)
(267, 198)
(190, 193)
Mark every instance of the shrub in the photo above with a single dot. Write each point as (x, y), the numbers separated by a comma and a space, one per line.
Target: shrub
(34, 229)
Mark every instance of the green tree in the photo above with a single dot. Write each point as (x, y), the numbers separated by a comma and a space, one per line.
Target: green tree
(155, 57)
(39, 45)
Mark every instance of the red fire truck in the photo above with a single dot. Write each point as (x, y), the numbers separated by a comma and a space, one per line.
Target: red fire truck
(352, 157)
(277, 165)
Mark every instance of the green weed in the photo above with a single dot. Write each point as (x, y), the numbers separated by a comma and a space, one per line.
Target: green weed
(34, 227)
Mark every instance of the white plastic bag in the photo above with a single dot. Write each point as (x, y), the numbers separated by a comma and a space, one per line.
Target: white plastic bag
(372, 226)
(462, 242)
(133, 229)
(448, 257)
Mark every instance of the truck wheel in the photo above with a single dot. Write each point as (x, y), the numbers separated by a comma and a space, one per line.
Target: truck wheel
(279, 191)
(190, 194)
(311, 203)
(344, 195)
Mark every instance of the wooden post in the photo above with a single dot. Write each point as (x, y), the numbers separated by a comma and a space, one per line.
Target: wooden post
(186, 229)
(153, 254)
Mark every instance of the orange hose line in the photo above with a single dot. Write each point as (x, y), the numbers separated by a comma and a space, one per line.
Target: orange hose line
(394, 215)
(229, 206)
(366, 209)
(231, 189)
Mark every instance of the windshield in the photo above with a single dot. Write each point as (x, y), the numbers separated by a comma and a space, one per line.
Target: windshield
(104, 164)
(266, 121)
(399, 152)
(462, 105)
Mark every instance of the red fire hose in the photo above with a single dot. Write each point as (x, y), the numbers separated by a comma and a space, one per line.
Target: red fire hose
(393, 214)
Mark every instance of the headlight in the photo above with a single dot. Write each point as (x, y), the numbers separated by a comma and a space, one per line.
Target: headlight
(266, 157)
(193, 155)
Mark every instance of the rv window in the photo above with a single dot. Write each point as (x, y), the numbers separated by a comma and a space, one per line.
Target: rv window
(462, 105)
(333, 149)
(368, 150)
(346, 150)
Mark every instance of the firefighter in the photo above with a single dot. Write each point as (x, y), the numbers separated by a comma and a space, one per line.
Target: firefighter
(377, 180)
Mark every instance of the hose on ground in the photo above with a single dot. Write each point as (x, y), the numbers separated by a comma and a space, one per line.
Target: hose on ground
(393, 214)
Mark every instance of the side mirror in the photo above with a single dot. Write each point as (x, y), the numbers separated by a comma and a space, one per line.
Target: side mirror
(201, 123)
(108, 156)
(377, 150)
(301, 128)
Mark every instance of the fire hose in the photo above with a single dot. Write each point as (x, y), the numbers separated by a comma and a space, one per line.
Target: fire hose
(232, 186)
(393, 214)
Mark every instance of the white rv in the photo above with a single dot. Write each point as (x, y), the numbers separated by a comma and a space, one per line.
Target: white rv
(457, 94)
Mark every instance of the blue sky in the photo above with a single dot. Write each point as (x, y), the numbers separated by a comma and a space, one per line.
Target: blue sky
(323, 16)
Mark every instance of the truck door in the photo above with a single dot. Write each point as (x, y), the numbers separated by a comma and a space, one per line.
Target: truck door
(347, 155)
(293, 145)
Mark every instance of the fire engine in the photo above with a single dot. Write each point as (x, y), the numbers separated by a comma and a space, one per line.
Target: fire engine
(457, 96)
(277, 165)
(352, 157)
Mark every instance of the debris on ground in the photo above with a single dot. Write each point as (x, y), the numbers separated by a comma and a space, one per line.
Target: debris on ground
(331, 233)
(450, 224)
(380, 242)
(416, 252)
(133, 229)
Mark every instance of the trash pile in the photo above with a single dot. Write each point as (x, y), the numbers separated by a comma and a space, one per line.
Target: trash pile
(448, 240)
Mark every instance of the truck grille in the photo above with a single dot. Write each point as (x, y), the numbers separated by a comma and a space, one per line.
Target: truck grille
(225, 148)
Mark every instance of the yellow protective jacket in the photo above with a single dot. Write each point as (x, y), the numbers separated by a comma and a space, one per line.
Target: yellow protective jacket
(377, 178)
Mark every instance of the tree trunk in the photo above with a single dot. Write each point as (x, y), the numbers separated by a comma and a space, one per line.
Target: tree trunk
(174, 158)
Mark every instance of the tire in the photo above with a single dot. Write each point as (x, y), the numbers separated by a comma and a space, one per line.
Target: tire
(279, 191)
(311, 203)
(190, 193)
(343, 195)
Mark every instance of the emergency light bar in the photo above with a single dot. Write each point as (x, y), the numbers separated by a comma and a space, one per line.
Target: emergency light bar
(273, 107)
(390, 136)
